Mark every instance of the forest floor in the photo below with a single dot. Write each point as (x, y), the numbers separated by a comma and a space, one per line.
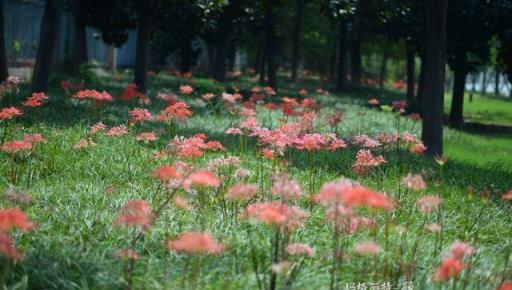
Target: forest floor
(77, 193)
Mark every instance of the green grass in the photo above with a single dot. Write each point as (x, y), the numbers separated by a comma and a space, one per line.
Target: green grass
(485, 109)
(73, 245)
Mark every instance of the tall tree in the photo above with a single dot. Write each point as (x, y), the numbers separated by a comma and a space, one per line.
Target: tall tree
(433, 89)
(466, 52)
(79, 52)
(299, 8)
(146, 13)
(224, 38)
(343, 48)
(3, 58)
(356, 61)
(269, 44)
(48, 41)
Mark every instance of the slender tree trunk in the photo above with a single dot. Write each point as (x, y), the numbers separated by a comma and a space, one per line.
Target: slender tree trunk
(296, 38)
(421, 81)
(48, 38)
(484, 81)
(410, 67)
(433, 90)
(356, 61)
(3, 58)
(146, 15)
(383, 67)
(224, 31)
(456, 111)
(343, 47)
(262, 61)
(231, 56)
(270, 44)
(497, 83)
(79, 53)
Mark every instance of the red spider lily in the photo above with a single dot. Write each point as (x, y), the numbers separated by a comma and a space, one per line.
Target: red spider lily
(231, 98)
(16, 146)
(233, 131)
(134, 213)
(366, 141)
(505, 286)
(303, 92)
(332, 193)
(418, 148)
(117, 131)
(269, 91)
(267, 153)
(365, 197)
(367, 248)
(14, 218)
(241, 191)
(399, 85)
(357, 223)
(7, 248)
(286, 188)
(250, 123)
(201, 178)
(428, 203)
(459, 250)
(131, 92)
(374, 102)
(66, 85)
(208, 96)
(276, 213)
(193, 146)
(365, 161)
(182, 203)
(507, 196)
(140, 115)
(166, 173)
(388, 138)
(186, 90)
(98, 127)
(310, 142)
(414, 182)
(449, 268)
(84, 144)
(178, 110)
(127, 254)
(36, 100)
(195, 243)
(399, 106)
(170, 98)
(271, 106)
(298, 249)
(146, 137)
(10, 113)
(94, 95)
(34, 138)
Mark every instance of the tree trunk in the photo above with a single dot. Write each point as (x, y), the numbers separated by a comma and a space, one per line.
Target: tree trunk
(231, 56)
(433, 89)
(421, 81)
(48, 37)
(270, 44)
(79, 53)
(146, 15)
(410, 67)
(343, 46)
(497, 83)
(296, 38)
(224, 31)
(383, 67)
(356, 62)
(484, 80)
(456, 111)
(3, 58)
(262, 61)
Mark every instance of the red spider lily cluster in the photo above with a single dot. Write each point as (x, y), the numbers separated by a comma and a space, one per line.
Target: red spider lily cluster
(36, 100)
(12, 219)
(96, 96)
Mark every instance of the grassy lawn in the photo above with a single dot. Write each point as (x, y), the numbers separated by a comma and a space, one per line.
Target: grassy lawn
(485, 109)
(76, 196)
